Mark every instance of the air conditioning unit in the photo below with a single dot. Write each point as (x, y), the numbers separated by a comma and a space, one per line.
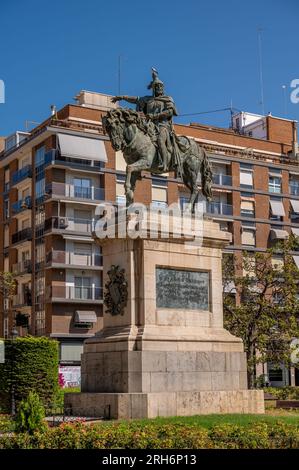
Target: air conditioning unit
(63, 222)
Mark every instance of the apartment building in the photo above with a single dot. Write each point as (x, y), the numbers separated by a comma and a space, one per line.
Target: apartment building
(52, 178)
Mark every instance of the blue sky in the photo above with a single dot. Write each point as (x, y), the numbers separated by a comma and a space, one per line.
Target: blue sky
(206, 53)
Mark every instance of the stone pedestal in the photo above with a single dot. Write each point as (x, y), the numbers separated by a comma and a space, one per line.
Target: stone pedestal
(156, 360)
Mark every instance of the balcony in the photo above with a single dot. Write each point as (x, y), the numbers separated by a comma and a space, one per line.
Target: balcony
(294, 188)
(22, 205)
(23, 267)
(22, 300)
(58, 190)
(83, 226)
(219, 208)
(52, 157)
(22, 174)
(21, 236)
(73, 259)
(222, 180)
(65, 293)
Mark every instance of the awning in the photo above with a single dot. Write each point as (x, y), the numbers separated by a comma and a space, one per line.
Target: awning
(295, 205)
(296, 259)
(277, 208)
(85, 316)
(82, 147)
(278, 234)
(295, 231)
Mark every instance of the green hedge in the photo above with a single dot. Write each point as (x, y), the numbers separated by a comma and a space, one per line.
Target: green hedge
(31, 364)
(260, 435)
(283, 393)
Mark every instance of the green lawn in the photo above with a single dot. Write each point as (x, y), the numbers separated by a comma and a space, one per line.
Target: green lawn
(208, 421)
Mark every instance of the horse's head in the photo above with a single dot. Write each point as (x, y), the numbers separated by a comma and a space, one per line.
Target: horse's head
(113, 124)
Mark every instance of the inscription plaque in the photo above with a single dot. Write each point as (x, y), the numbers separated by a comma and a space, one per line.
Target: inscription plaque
(180, 288)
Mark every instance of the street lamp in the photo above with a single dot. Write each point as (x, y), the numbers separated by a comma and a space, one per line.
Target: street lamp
(14, 335)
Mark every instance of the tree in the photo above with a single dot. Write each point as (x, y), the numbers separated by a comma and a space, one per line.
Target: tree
(261, 304)
(7, 285)
(31, 414)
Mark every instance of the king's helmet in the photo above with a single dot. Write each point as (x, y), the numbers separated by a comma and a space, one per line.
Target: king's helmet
(155, 80)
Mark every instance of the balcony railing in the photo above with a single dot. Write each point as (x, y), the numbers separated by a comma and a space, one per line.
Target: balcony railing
(53, 157)
(294, 188)
(222, 180)
(74, 293)
(22, 205)
(71, 224)
(219, 208)
(64, 257)
(247, 213)
(22, 174)
(71, 191)
(22, 235)
(22, 267)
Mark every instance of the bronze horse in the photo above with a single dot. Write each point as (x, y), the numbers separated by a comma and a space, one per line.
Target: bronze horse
(135, 135)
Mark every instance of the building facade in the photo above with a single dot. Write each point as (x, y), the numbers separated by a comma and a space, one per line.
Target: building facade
(53, 178)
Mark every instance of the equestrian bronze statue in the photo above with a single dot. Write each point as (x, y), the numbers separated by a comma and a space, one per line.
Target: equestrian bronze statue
(148, 142)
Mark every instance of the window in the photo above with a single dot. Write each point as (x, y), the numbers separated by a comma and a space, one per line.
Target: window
(6, 236)
(159, 196)
(183, 200)
(248, 234)
(83, 220)
(40, 156)
(71, 352)
(24, 162)
(250, 268)
(120, 163)
(82, 188)
(82, 254)
(246, 179)
(120, 189)
(294, 186)
(6, 208)
(277, 211)
(247, 208)
(274, 184)
(6, 180)
(83, 289)
(25, 255)
(25, 224)
(275, 375)
(40, 188)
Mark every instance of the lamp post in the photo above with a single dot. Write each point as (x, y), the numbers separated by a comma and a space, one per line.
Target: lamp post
(14, 335)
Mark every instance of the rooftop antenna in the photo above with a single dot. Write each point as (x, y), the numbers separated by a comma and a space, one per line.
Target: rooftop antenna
(284, 88)
(119, 73)
(259, 35)
(231, 113)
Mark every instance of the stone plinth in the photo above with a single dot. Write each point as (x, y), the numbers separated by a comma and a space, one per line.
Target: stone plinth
(158, 361)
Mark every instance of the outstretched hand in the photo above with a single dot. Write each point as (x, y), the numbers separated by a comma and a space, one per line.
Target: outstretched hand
(115, 99)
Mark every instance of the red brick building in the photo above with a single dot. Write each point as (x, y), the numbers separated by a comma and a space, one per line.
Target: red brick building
(52, 178)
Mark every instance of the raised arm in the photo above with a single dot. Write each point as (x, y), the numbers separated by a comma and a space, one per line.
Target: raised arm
(129, 99)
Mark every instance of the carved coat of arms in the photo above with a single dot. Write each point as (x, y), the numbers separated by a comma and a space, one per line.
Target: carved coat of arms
(116, 291)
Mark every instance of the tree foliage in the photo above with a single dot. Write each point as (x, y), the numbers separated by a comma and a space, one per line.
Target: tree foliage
(31, 414)
(261, 303)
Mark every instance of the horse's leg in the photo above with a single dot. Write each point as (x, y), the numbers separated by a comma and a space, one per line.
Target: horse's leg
(128, 188)
(190, 174)
(133, 173)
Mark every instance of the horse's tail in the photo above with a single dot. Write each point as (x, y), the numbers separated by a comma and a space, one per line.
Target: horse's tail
(206, 175)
